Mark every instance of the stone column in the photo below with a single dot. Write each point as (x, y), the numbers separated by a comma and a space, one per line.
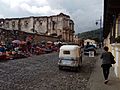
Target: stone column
(67, 36)
(63, 36)
(116, 53)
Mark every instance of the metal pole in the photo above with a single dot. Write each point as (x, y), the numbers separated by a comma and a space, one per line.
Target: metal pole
(100, 22)
(100, 29)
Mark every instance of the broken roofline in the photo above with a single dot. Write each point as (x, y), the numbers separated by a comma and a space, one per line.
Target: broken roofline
(61, 14)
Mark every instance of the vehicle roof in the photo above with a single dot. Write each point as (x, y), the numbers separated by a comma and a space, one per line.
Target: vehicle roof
(69, 47)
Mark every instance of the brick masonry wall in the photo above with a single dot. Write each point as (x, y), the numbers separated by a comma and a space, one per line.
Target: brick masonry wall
(6, 36)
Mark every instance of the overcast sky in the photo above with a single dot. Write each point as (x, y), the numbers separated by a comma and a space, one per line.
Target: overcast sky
(84, 13)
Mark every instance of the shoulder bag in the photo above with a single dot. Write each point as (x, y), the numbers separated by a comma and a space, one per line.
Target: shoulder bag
(112, 59)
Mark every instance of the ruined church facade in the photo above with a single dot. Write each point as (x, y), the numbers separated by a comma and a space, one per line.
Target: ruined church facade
(60, 26)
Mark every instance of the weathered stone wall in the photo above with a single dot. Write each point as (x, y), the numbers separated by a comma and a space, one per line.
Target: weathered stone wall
(40, 25)
(40, 38)
(6, 36)
(26, 24)
(1, 23)
(11, 24)
(52, 25)
(62, 25)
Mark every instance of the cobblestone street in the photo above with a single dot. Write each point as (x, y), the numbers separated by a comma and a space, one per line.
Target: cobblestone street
(42, 73)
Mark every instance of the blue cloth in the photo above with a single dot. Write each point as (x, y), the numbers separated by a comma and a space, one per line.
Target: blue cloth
(2, 49)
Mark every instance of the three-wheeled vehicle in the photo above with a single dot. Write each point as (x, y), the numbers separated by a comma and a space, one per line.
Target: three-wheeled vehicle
(70, 56)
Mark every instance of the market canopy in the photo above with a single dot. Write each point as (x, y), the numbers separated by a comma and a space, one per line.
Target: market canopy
(16, 41)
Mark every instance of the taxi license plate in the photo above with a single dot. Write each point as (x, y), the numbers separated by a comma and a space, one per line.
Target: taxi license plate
(66, 62)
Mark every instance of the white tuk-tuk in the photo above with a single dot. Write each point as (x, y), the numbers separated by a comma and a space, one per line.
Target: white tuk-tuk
(70, 56)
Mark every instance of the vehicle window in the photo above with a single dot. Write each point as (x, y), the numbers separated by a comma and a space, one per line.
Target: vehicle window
(90, 46)
(66, 52)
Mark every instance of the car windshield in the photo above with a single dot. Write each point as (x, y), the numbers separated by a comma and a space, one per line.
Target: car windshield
(90, 46)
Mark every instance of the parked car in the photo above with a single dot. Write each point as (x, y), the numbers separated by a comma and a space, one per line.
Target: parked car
(89, 48)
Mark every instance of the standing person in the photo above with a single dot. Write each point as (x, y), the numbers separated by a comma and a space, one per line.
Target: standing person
(106, 63)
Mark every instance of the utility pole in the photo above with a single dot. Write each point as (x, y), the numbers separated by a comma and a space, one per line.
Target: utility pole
(100, 22)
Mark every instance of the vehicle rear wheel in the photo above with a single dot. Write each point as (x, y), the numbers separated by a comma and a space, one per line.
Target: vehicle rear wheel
(60, 67)
(77, 69)
(81, 59)
(94, 52)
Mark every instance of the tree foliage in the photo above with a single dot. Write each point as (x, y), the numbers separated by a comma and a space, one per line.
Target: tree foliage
(94, 34)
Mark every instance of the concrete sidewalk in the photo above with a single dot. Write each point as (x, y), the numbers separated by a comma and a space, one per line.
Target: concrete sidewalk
(96, 81)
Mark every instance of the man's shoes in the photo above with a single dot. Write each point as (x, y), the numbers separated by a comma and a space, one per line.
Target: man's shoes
(106, 81)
